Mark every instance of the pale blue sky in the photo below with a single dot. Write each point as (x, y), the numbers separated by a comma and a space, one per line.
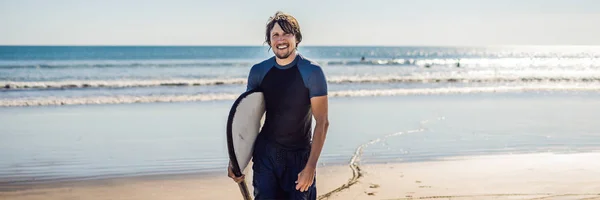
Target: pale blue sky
(348, 22)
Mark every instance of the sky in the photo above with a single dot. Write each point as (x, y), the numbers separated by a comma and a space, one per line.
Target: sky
(322, 22)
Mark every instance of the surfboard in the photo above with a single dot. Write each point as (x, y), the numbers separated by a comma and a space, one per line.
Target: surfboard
(243, 126)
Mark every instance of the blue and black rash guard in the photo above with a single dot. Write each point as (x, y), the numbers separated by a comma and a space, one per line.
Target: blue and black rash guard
(287, 91)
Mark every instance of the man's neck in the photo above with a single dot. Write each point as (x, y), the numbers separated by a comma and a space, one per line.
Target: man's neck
(287, 61)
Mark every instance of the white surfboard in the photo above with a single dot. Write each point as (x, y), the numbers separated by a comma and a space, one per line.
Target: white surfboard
(243, 126)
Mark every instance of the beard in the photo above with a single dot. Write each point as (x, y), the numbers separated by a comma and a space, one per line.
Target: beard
(283, 54)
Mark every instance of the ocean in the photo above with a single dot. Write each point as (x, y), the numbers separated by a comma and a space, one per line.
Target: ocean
(86, 112)
(62, 75)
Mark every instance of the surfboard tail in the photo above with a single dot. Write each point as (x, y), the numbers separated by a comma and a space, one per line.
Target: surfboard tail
(244, 190)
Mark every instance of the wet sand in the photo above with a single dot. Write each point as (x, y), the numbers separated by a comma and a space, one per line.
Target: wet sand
(526, 176)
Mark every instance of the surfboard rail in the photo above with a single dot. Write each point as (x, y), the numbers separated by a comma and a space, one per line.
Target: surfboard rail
(235, 134)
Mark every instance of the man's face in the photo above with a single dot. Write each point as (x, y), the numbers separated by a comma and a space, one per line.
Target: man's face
(283, 44)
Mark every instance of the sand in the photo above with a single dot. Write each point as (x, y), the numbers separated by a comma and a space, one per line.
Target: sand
(527, 176)
(172, 187)
(532, 176)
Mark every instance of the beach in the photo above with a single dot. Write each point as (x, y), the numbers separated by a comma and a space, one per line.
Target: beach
(406, 123)
(528, 176)
(520, 151)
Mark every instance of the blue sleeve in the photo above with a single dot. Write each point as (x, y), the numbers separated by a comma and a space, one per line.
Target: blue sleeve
(253, 79)
(256, 75)
(317, 83)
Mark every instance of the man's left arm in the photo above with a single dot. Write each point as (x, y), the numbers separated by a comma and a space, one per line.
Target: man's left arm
(320, 112)
(317, 85)
(319, 109)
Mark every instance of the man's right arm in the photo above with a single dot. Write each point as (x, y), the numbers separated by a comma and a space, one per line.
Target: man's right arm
(231, 175)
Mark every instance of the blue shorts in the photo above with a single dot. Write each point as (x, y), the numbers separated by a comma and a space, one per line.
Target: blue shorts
(276, 171)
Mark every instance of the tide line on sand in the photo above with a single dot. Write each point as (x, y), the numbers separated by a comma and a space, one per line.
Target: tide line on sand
(355, 160)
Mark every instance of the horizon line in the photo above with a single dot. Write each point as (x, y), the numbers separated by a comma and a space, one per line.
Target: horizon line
(300, 46)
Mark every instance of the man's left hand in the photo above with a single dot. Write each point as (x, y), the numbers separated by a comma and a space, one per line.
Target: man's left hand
(305, 179)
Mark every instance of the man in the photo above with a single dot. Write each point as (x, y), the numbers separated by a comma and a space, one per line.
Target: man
(295, 89)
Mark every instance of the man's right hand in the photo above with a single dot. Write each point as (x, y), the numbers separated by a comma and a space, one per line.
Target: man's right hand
(232, 176)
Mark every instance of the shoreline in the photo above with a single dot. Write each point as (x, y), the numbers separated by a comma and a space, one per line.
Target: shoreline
(353, 169)
(536, 175)
(99, 180)
(187, 186)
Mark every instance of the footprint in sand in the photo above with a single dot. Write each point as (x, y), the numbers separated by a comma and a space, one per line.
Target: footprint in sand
(372, 186)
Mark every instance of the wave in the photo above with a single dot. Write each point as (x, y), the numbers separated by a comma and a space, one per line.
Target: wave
(372, 62)
(117, 84)
(332, 80)
(462, 90)
(122, 99)
(120, 64)
(47, 101)
(474, 62)
(460, 62)
(460, 79)
(167, 64)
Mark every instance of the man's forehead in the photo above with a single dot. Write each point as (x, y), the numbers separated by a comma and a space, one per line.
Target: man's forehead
(277, 29)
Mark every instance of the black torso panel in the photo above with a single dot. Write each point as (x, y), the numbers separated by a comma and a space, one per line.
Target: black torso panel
(288, 118)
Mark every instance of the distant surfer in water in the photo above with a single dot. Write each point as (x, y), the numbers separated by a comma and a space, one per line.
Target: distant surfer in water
(295, 89)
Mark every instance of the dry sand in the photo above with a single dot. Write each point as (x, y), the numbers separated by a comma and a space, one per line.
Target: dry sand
(533, 176)
(530, 176)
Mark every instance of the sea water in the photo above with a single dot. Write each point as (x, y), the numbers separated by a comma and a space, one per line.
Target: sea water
(96, 112)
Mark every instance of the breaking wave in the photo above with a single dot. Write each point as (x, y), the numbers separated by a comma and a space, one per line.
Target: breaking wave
(12, 85)
(479, 62)
(117, 84)
(119, 64)
(46, 101)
